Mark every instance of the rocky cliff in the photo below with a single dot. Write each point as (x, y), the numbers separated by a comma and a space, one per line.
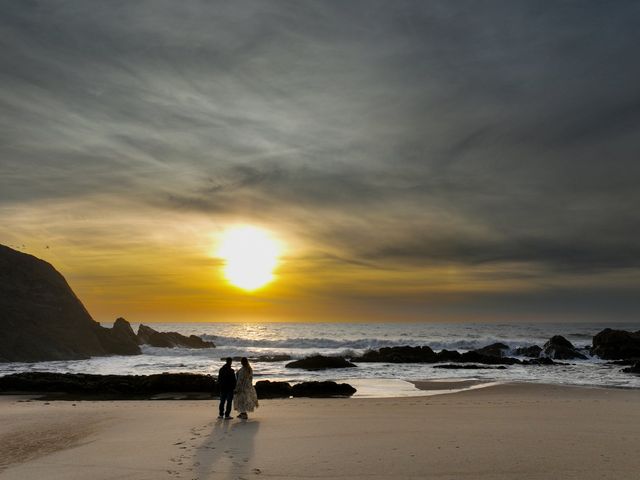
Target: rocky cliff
(42, 319)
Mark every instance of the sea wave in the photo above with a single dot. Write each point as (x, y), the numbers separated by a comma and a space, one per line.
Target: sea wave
(364, 343)
(300, 342)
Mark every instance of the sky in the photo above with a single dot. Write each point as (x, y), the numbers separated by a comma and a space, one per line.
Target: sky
(419, 161)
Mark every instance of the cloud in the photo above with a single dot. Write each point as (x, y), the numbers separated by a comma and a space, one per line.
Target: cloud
(391, 136)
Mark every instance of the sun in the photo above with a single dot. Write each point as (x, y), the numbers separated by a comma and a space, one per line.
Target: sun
(250, 257)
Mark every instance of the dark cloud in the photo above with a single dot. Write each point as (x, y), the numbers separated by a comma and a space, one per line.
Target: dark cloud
(390, 134)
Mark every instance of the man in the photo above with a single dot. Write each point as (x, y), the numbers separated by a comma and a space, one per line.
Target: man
(226, 385)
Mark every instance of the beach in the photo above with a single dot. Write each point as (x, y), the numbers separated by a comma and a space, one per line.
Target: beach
(507, 431)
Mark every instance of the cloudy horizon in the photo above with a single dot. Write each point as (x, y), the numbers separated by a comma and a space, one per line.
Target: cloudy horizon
(422, 161)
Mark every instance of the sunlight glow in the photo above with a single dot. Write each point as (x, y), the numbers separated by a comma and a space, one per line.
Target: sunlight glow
(250, 255)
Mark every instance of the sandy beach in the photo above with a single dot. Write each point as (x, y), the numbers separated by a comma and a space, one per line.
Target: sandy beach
(499, 432)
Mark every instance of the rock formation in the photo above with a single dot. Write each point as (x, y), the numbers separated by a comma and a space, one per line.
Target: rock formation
(424, 354)
(79, 385)
(403, 354)
(149, 336)
(42, 319)
(533, 351)
(559, 348)
(320, 362)
(122, 385)
(269, 389)
(494, 350)
(616, 344)
(120, 340)
(322, 389)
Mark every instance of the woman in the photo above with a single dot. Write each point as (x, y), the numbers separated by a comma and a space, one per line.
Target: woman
(245, 398)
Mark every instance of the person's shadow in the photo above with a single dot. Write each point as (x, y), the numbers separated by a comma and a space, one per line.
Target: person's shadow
(227, 451)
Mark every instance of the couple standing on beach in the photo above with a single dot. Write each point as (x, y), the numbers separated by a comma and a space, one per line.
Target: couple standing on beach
(237, 388)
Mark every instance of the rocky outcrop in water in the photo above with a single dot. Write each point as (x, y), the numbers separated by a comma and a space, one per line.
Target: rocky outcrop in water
(489, 355)
(42, 319)
(494, 350)
(616, 344)
(533, 351)
(559, 348)
(403, 354)
(149, 336)
(320, 362)
(120, 339)
(424, 354)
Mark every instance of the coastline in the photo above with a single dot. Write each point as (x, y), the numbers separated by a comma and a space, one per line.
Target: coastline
(497, 432)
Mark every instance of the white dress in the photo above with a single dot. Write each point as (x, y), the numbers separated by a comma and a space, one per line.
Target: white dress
(245, 398)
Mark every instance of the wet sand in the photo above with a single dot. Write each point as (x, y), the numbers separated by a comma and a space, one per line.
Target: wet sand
(498, 432)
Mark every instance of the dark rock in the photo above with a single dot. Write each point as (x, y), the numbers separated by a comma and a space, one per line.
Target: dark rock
(448, 356)
(493, 350)
(425, 354)
(144, 386)
(268, 389)
(530, 352)
(87, 384)
(120, 339)
(467, 366)
(560, 348)
(149, 336)
(540, 361)
(633, 369)
(320, 362)
(403, 354)
(322, 389)
(475, 357)
(616, 344)
(42, 319)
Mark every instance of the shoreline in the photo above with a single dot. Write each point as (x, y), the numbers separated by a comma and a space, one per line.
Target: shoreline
(499, 432)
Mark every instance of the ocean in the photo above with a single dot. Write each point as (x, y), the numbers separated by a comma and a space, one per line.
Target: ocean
(371, 379)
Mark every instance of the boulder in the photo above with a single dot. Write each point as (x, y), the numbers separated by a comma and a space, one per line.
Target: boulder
(42, 319)
(616, 344)
(559, 348)
(149, 336)
(320, 362)
(322, 389)
(404, 354)
(493, 350)
(533, 351)
(448, 356)
(635, 368)
(269, 389)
